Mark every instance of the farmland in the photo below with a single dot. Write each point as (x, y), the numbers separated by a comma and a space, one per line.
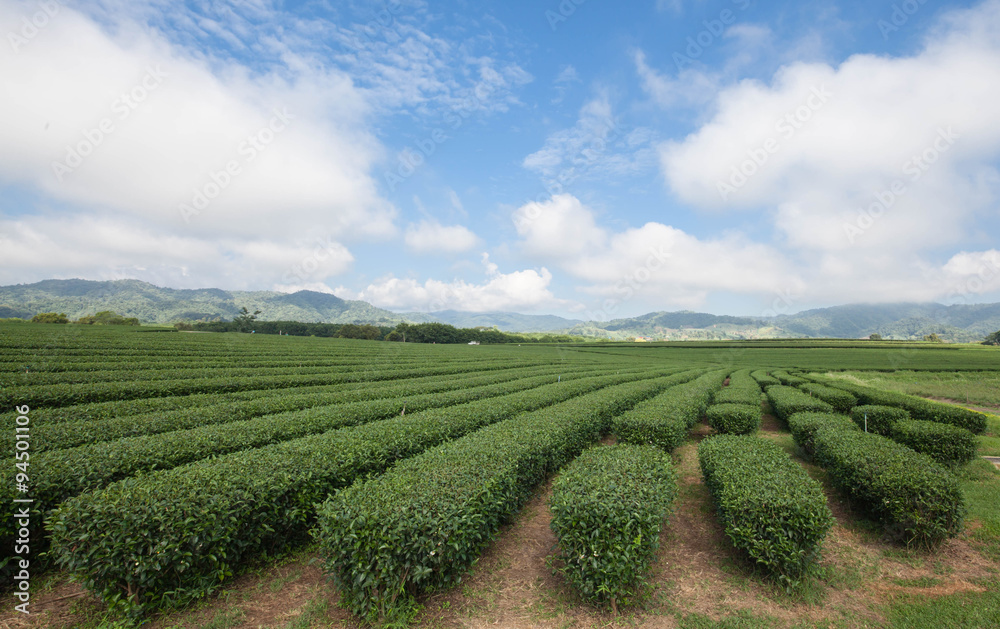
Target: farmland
(237, 480)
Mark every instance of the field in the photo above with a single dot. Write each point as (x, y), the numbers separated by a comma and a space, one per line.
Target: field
(236, 480)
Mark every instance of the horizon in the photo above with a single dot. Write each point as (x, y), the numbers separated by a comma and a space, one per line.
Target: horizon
(511, 312)
(578, 159)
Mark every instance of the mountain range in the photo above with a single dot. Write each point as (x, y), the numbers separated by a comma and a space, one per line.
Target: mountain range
(153, 304)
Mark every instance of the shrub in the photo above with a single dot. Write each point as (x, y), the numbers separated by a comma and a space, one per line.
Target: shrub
(805, 425)
(734, 419)
(877, 419)
(742, 389)
(62, 474)
(769, 506)
(665, 420)
(50, 317)
(169, 537)
(841, 401)
(421, 525)
(917, 500)
(786, 401)
(946, 444)
(607, 510)
(918, 408)
(764, 379)
(787, 379)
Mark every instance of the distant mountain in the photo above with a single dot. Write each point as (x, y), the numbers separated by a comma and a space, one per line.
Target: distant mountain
(153, 304)
(904, 321)
(504, 321)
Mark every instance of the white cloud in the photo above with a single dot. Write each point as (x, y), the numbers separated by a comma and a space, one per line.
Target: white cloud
(154, 126)
(97, 247)
(895, 157)
(560, 228)
(691, 87)
(597, 145)
(429, 236)
(518, 290)
(657, 264)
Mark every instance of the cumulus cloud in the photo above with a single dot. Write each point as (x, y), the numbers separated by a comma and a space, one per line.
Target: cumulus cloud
(876, 153)
(518, 290)
(98, 247)
(656, 263)
(560, 228)
(134, 136)
(429, 236)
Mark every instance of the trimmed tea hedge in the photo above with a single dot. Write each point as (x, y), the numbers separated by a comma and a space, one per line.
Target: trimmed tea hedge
(169, 537)
(841, 401)
(805, 425)
(62, 474)
(61, 435)
(742, 389)
(764, 379)
(946, 444)
(665, 420)
(786, 401)
(424, 522)
(787, 379)
(769, 506)
(917, 500)
(607, 510)
(734, 419)
(918, 408)
(878, 419)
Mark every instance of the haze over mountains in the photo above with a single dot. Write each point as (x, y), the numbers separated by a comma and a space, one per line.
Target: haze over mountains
(154, 304)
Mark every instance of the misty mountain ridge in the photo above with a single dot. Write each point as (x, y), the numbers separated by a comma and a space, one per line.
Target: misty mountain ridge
(154, 304)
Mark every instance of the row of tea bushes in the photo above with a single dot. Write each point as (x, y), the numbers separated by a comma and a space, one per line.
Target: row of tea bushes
(423, 523)
(665, 420)
(167, 538)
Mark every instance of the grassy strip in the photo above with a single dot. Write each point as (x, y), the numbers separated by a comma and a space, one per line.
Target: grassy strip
(769, 506)
(422, 524)
(170, 537)
(608, 507)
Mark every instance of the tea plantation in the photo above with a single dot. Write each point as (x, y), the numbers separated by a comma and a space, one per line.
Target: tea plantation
(160, 469)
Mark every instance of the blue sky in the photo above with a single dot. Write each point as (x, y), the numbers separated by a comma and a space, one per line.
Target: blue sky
(581, 158)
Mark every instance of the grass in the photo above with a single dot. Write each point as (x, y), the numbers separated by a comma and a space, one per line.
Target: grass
(975, 387)
(981, 484)
(972, 610)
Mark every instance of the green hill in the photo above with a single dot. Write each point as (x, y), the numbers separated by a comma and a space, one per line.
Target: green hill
(153, 304)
